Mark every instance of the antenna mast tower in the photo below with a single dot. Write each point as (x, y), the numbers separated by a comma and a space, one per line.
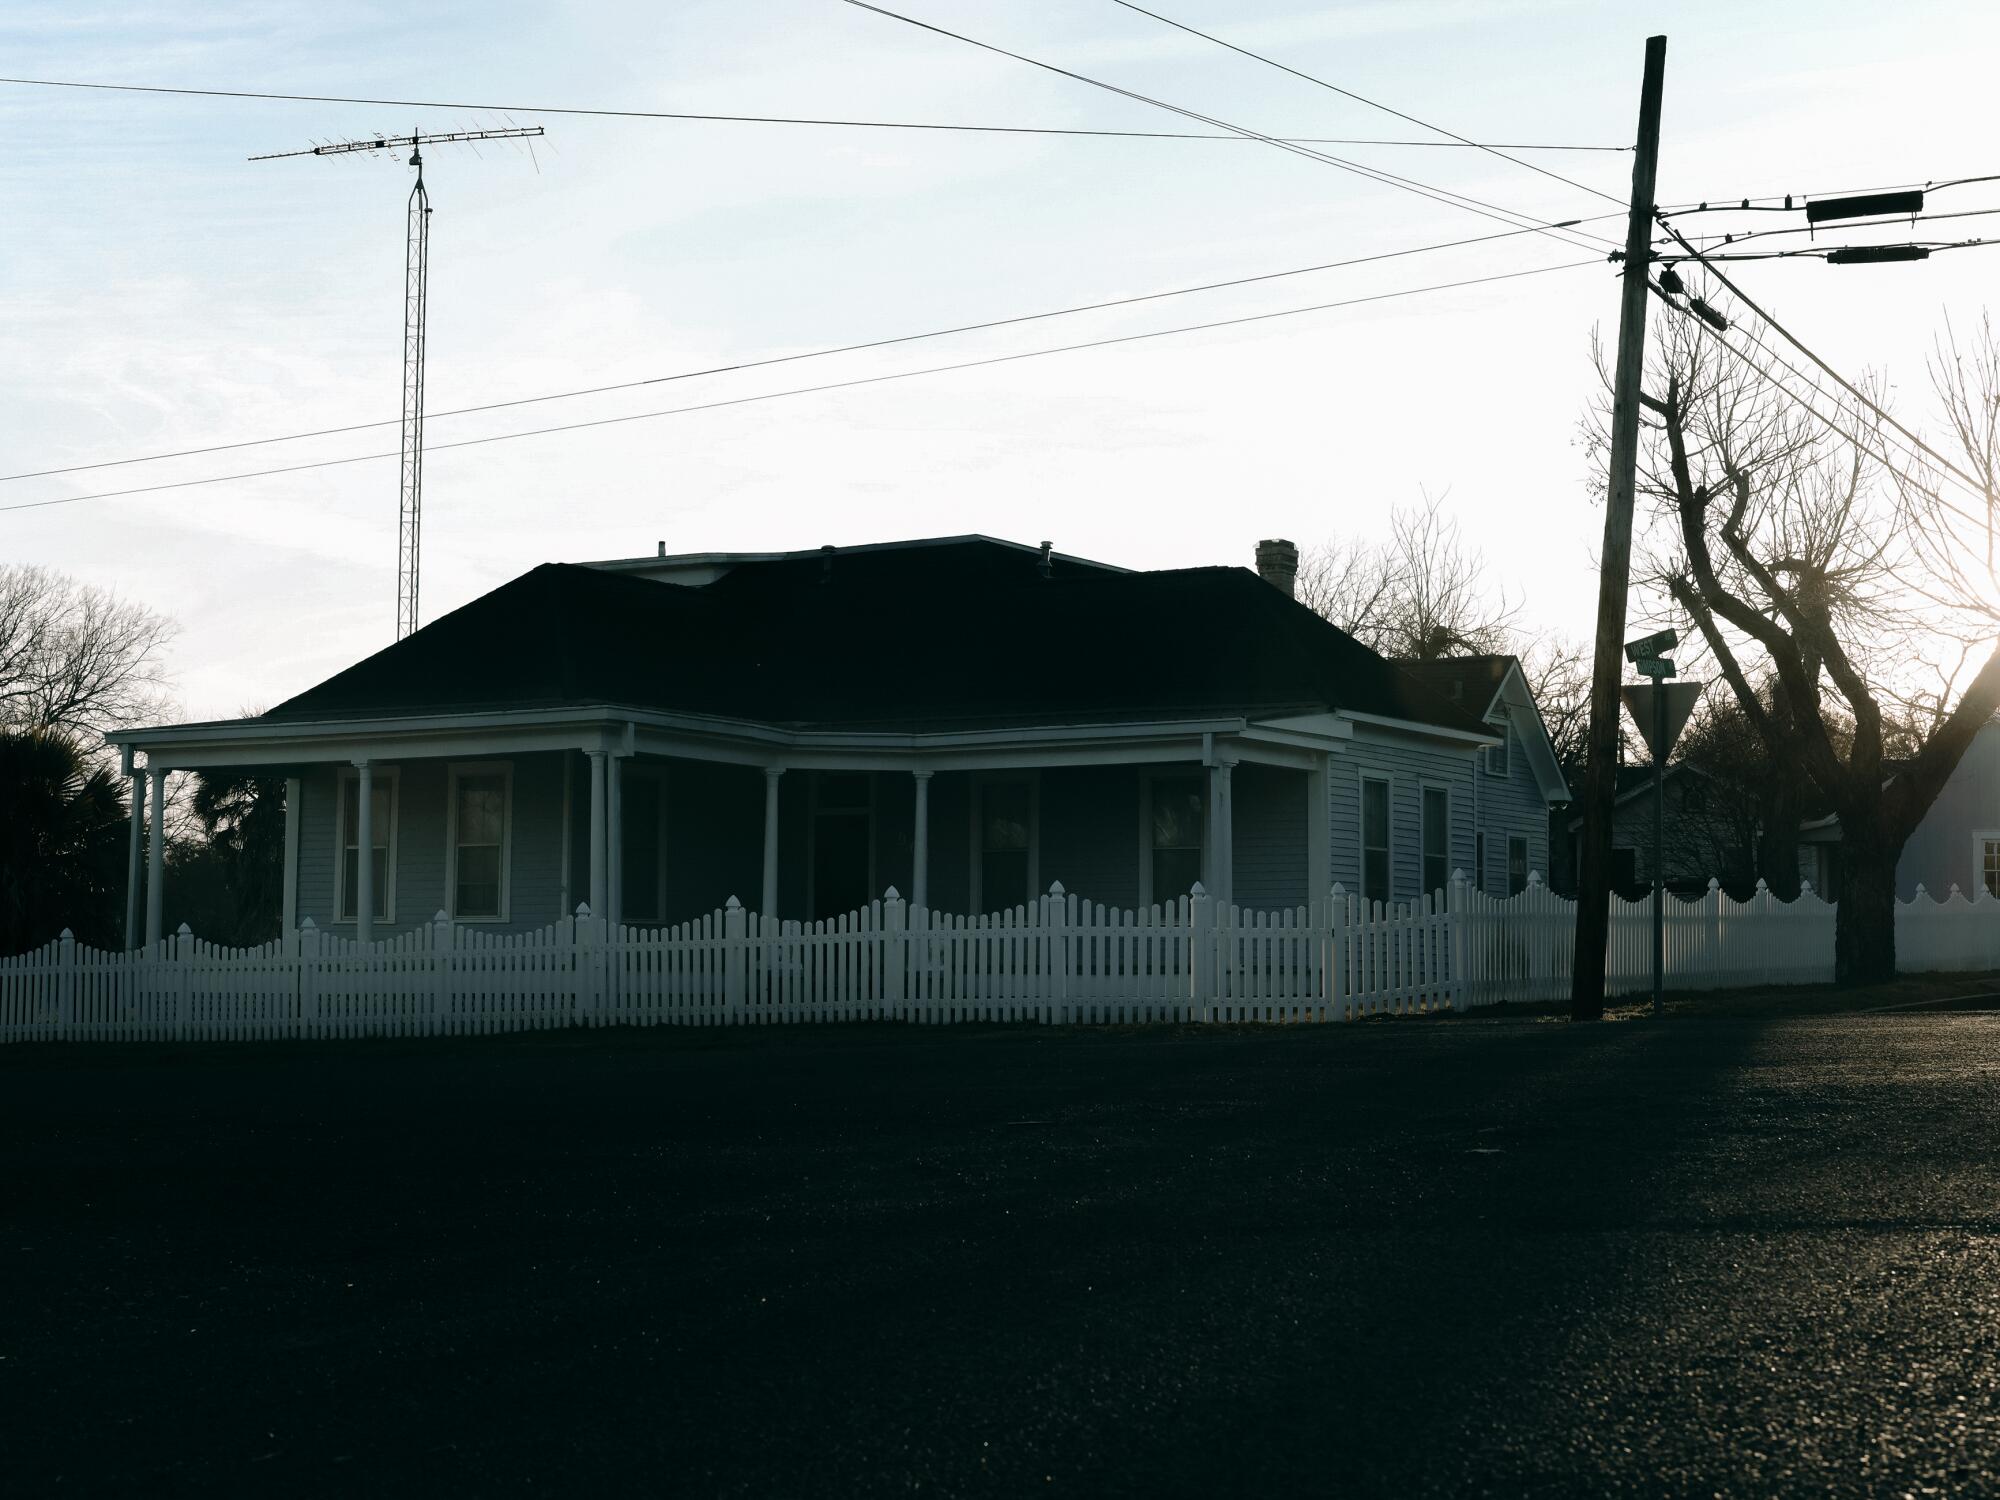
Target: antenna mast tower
(416, 279)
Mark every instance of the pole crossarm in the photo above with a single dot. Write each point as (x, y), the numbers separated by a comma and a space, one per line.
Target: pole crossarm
(409, 142)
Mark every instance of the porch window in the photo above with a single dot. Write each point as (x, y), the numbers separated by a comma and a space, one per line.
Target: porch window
(479, 815)
(1517, 866)
(1374, 839)
(1005, 828)
(1437, 836)
(1174, 836)
(1988, 872)
(347, 875)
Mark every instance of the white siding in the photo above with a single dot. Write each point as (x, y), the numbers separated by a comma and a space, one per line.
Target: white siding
(1410, 765)
(1939, 854)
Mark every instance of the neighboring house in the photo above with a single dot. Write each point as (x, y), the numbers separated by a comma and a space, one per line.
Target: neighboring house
(963, 718)
(1957, 843)
(1709, 831)
(1518, 779)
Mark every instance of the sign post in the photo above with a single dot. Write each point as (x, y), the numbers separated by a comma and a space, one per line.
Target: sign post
(1660, 709)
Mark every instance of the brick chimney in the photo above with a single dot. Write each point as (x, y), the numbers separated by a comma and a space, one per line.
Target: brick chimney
(1278, 565)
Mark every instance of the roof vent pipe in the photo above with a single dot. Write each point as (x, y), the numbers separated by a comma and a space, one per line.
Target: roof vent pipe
(826, 563)
(1278, 565)
(663, 549)
(1048, 567)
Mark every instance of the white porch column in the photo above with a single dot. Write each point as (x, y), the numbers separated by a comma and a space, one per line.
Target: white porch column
(920, 849)
(769, 907)
(293, 791)
(598, 864)
(135, 853)
(1222, 827)
(364, 854)
(614, 838)
(156, 849)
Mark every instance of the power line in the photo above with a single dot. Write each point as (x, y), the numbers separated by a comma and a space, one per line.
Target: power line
(1408, 184)
(781, 359)
(1782, 202)
(1789, 337)
(661, 114)
(1828, 252)
(1879, 454)
(837, 385)
(1363, 99)
(1889, 223)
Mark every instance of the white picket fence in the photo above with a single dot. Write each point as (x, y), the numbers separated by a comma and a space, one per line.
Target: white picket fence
(1059, 959)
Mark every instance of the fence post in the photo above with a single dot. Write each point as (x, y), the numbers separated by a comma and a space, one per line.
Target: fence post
(587, 964)
(1336, 951)
(1201, 952)
(1763, 930)
(1055, 929)
(183, 942)
(441, 964)
(65, 985)
(734, 953)
(1461, 981)
(895, 953)
(308, 952)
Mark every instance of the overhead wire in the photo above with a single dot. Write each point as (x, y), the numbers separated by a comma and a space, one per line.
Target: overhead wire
(781, 359)
(689, 115)
(1847, 385)
(1375, 174)
(1272, 62)
(1844, 227)
(837, 385)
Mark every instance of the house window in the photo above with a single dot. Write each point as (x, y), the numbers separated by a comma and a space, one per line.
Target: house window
(1517, 866)
(642, 881)
(1003, 844)
(478, 811)
(1374, 839)
(1173, 836)
(1479, 861)
(1500, 757)
(1437, 836)
(347, 873)
(1988, 871)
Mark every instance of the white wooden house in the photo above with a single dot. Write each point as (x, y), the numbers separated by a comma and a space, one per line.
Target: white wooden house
(963, 718)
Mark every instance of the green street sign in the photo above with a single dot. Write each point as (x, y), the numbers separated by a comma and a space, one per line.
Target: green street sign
(1657, 644)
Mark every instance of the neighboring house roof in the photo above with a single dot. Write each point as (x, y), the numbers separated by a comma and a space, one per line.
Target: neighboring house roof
(1637, 781)
(1472, 682)
(956, 632)
(1483, 685)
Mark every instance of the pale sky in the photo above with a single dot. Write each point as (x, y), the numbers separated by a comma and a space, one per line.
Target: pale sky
(157, 291)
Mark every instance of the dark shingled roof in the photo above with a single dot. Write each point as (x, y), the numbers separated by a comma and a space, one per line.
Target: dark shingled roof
(1468, 681)
(959, 634)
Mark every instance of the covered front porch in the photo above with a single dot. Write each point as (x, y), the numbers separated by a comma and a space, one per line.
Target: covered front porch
(512, 821)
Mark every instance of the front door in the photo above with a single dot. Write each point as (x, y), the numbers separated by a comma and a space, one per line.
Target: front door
(842, 880)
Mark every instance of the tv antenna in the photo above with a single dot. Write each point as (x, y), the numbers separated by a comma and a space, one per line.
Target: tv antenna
(416, 278)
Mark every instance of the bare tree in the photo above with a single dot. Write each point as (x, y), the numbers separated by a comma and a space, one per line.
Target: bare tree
(75, 657)
(1815, 566)
(1421, 595)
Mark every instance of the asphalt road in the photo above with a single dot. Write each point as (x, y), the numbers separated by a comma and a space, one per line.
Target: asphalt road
(1712, 1257)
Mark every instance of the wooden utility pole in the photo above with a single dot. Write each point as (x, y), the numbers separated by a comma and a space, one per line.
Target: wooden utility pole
(1593, 905)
